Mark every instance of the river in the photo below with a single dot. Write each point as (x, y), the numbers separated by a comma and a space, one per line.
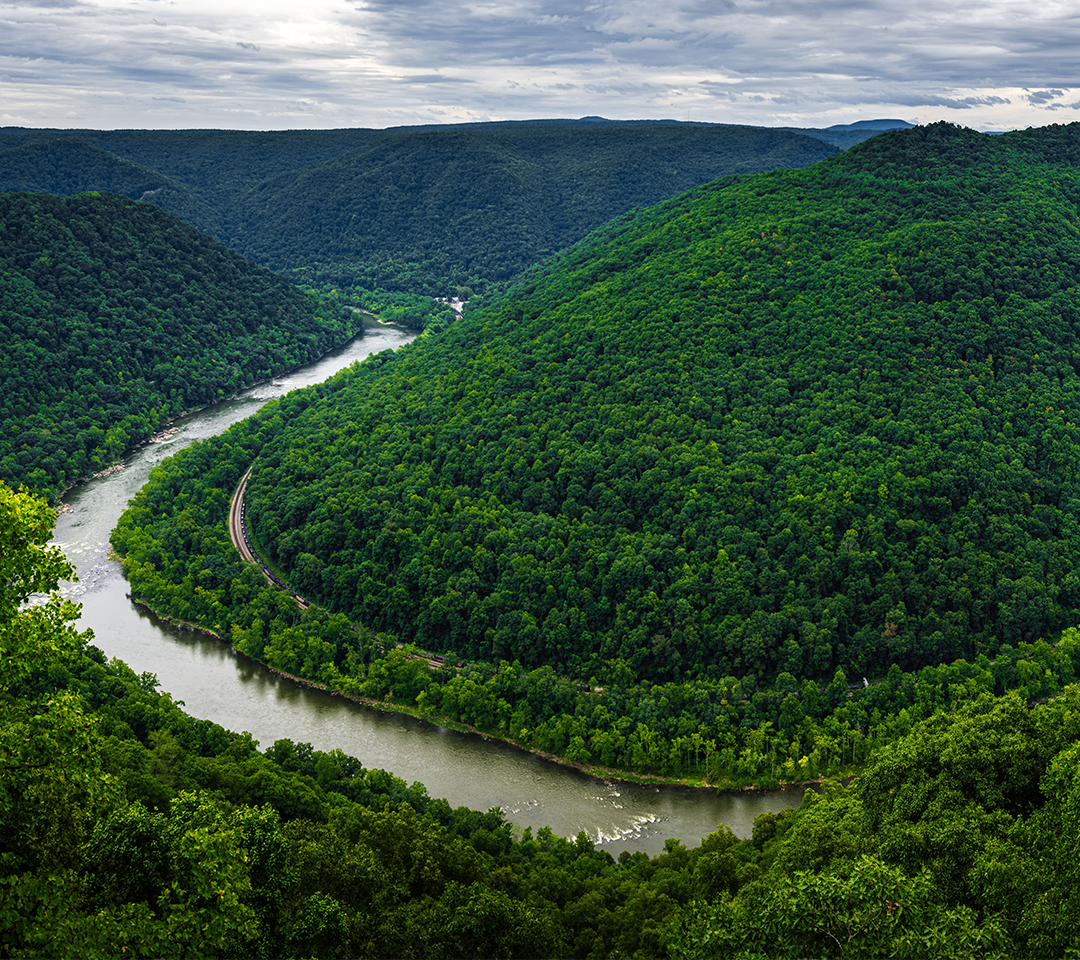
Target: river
(214, 683)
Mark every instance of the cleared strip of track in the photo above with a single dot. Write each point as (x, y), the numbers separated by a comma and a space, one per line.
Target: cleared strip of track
(236, 521)
(239, 537)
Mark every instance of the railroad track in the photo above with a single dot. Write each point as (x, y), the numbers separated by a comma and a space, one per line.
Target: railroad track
(239, 536)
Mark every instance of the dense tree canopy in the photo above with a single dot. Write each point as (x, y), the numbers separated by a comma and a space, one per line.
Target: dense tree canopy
(810, 419)
(413, 209)
(779, 425)
(483, 203)
(129, 828)
(726, 731)
(40, 163)
(681, 575)
(116, 316)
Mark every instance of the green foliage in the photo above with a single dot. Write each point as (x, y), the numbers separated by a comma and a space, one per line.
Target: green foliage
(43, 163)
(229, 865)
(117, 317)
(979, 807)
(410, 210)
(49, 763)
(811, 420)
(867, 910)
(128, 827)
(431, 209)
(179, 560)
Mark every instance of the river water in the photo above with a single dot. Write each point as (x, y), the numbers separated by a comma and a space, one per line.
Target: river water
(214, 683)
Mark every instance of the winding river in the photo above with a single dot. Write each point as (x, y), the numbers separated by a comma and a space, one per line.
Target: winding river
(213, 682)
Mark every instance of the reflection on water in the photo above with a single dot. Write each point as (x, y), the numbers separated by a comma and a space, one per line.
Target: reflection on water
(214, 683)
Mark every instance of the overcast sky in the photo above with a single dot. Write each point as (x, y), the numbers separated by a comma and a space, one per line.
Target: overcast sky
(268, 64)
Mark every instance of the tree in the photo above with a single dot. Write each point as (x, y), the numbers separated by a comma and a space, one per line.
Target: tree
(48, 745)
(50, 767)
(31, 637)
(81, 872)
(837, 691)
(867, 910)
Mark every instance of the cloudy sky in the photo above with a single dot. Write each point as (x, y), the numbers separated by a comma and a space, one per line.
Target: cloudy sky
(269, 64)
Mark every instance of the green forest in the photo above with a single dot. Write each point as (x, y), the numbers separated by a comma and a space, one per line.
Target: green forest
(481, 205)
(116, 317)
(688, 576)
(413, 210)
(132, 829)
(771, 483)
(809, 420)
(729, 732)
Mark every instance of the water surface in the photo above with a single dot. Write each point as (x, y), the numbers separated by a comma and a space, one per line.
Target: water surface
(216, 684)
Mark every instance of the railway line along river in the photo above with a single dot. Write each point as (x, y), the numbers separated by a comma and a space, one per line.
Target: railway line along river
(214, 683)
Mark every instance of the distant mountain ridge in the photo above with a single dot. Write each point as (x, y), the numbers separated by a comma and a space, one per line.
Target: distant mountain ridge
(873, 125)
(415, 208)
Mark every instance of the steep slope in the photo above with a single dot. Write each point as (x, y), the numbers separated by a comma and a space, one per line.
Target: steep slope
(805, 419)
(65, 166)
(413, 209)
(116, 316)
(486, 202)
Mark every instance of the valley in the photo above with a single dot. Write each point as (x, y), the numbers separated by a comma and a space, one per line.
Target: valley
(240, 694)
(414, 210)
(666, 500)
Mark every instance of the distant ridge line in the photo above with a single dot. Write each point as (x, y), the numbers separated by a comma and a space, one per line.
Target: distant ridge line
(873, 125)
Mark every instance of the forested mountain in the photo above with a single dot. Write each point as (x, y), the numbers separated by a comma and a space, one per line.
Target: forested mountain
(133, 829)
(484, 204)
(780, 423)
(803, 420)
(844, 135)
(116, 316)
(417, 209)
(68, 166)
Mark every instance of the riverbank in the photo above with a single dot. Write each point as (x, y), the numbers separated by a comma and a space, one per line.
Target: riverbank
(440, 721)
(448, 723)
(607, 774)
(238, 534)
(165, 429)
(164, 617)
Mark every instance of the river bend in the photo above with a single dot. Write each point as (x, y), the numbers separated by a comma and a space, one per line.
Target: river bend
(240, 695)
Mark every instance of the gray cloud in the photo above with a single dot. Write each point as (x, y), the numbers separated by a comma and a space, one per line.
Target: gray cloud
(995, 64)
(956, 103)
(433, 78)
(1041, 97)
(41, 4)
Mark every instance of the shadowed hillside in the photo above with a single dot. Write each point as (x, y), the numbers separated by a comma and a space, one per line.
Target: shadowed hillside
(415, 209)
(116, 316)
(810, 419)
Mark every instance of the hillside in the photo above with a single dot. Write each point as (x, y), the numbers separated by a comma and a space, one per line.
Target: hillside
(810, 419)
(484, 203)
(419, 209)
(132, 828)
(66, 166)
(116, 316)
